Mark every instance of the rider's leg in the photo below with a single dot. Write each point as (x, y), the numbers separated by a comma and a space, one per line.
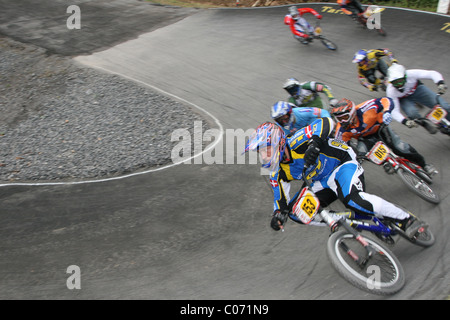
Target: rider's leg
(427, 97)
(382, 67)
(348, 182)
(357, 5)
(409, 107)
(402, 148)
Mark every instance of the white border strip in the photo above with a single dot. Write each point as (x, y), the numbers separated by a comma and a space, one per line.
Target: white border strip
(209, 147)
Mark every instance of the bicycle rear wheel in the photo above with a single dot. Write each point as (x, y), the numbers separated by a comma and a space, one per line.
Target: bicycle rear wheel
(418, 186)
(382, 275)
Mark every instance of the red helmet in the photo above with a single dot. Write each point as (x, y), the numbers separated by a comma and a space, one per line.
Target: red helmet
(344, 111)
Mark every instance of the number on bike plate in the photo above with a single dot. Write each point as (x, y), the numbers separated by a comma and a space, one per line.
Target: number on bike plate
(436, 114)
(306, 206)
(379, 153)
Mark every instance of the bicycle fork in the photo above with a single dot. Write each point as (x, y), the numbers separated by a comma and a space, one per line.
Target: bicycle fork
(361, 262)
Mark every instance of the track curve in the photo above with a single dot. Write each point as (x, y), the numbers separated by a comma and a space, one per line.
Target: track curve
(202, 231)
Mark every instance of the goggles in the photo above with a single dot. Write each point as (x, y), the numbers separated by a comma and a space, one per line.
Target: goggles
(398, 83)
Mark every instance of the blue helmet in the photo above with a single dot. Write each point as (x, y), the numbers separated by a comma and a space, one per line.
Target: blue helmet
(269, 140)
(360, 56)
(281, 112)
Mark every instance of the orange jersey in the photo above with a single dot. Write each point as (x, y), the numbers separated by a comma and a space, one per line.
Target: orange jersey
(367, 120)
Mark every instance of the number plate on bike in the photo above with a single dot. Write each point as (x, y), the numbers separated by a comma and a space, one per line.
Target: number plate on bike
(379, 153)
(306, 206)
(437, 114)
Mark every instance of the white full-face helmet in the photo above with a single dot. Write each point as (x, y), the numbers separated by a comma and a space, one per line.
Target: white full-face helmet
(397, 76)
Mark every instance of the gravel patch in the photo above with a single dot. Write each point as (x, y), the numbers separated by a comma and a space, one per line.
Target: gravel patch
(63, 121)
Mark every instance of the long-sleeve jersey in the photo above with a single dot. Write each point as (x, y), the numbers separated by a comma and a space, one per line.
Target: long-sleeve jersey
(303, 117)
(413, 77)
(308, 91)
(368, 119)
(373, 57)
(288, 20)
(332, 154)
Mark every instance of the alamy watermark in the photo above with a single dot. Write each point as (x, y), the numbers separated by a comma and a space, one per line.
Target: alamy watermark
(74, 280)
(222, 147)
(373, 15)
(74, 21)
(374, 280)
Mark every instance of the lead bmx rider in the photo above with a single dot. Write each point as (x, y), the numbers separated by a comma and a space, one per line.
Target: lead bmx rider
(332, 167)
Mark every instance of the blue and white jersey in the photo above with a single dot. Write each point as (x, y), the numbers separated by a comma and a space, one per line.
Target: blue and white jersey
(303, 117)
(333, 153)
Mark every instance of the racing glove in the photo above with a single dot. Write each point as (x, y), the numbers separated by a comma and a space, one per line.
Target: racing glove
(278, 219)
(410, 123)
(387, 118)
(373, 87)
(333, 102)
(313, 151)
(442, 87)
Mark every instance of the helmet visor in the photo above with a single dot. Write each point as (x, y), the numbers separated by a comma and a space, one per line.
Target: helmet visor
(293, 90)
(283, 120)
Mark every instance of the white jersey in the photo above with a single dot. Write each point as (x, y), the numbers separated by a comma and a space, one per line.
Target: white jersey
(412, 81)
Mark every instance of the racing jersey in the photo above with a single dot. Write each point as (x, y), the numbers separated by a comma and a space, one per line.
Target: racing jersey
(308, 92)
(373, 57)
(288, 20)
(303, 117)
(413, 77)
(367, 120)
(332, 154)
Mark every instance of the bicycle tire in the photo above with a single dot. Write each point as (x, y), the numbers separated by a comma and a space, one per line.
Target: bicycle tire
(418, 186)
(425, 239)
(328, 43)
(388, 277)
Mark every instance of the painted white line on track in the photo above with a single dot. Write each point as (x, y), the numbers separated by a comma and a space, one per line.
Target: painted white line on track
(209, 147)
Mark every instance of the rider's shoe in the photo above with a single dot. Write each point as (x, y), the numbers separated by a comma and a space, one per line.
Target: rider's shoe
(430, 169)
(412, 226)
(428, 125)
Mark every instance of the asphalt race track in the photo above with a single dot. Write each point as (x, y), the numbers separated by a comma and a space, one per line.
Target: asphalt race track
(201, 231)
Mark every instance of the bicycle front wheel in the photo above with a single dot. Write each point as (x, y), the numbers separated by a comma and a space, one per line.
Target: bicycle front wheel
(328, 43)
(382, 274)
(418, 186)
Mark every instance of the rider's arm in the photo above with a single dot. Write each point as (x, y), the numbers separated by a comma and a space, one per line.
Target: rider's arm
(319, 87)
(363, 80)
(279, 194)
(396, 111)
(309, 10)
(435, 76)
(379, 53)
